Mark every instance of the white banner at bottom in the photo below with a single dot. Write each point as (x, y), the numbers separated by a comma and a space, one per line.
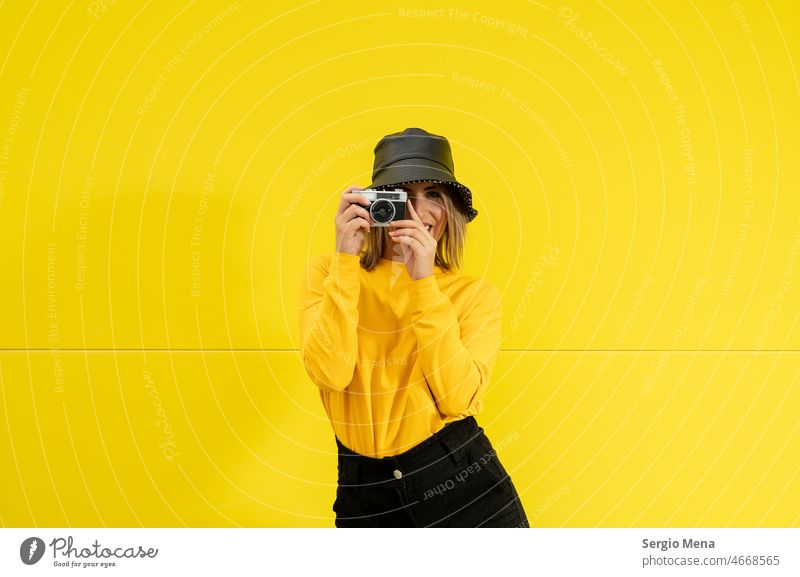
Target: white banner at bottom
(389, 552)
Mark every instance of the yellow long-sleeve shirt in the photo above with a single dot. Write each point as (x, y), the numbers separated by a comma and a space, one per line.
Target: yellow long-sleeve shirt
(396, 359)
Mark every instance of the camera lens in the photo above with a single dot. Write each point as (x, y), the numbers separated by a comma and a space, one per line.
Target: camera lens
(381, 211)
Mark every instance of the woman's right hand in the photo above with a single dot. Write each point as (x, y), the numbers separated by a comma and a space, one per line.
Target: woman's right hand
(352, 221)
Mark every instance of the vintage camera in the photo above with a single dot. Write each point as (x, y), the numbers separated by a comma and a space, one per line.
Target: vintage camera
(386, 205)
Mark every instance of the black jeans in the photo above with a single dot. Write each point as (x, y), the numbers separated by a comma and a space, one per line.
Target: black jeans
(451, 479)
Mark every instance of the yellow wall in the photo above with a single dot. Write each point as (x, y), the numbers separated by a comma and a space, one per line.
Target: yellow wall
(166, 172)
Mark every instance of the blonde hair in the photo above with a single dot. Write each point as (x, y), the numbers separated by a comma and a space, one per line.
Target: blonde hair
(449, 249)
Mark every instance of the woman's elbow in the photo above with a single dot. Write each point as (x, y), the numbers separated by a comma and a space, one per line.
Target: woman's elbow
(456, 405)
(330, 379)
(460, 401)
(451, 409)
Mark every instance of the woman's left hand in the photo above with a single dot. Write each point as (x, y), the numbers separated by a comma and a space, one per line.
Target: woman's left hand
(418, 245)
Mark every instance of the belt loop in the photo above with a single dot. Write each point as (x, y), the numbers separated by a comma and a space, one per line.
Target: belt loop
(457, 436)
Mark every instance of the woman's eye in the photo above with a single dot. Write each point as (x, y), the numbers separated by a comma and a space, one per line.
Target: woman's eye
(433, 193)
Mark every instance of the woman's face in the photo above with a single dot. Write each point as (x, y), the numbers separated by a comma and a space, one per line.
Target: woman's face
(427, 199)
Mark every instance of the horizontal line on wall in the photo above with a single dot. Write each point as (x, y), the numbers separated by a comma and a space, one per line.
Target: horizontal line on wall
(2, 350)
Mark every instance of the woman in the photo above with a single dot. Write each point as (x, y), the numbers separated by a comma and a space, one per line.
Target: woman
(402, 347)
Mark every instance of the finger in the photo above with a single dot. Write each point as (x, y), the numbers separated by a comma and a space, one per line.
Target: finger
(410, 225)
(355, 210)
(416, 246)
(356, 224)
(421, 236)
(418, 232)
(398, 224)
(349, 197)
(413, 212)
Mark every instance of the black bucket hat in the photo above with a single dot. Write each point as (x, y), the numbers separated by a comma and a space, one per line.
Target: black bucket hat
(415, 155)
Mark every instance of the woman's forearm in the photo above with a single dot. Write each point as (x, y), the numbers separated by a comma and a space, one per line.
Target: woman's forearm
(456, 357)
(329, 321)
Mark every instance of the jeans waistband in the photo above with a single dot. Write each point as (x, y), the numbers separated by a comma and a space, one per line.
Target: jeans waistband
(450, 441)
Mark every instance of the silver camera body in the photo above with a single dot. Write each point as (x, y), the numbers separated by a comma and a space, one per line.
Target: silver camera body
(385, 205)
